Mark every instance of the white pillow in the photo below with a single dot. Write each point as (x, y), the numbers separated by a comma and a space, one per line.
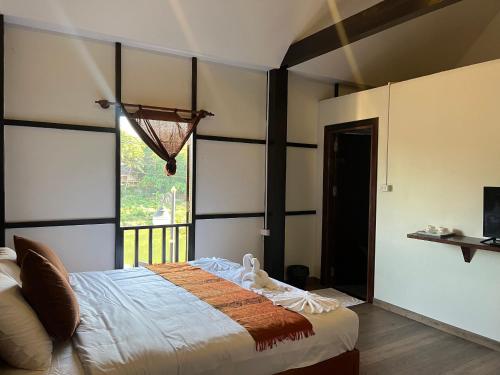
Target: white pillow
(7, 253)
(24, 343)
(10, 268)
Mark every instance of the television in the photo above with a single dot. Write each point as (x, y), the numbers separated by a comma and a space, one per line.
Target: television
(491, 213)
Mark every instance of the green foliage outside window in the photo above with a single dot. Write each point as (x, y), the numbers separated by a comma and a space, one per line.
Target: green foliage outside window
(145, 190)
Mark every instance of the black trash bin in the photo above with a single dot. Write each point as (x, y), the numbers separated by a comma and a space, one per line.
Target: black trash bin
(297, 275)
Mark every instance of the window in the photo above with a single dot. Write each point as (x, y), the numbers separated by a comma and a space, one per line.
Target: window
(154, 209)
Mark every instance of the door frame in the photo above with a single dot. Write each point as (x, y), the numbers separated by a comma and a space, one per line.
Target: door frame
(329, 217)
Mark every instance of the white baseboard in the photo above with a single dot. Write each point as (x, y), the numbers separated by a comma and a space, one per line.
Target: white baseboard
(462, 333)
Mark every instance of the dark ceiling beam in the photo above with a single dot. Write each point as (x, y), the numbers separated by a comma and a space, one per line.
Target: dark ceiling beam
(375, 19)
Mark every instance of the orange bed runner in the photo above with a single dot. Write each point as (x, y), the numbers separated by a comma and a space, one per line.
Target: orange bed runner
(267, 323)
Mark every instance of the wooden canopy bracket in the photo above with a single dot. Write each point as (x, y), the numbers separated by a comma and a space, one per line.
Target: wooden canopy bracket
(468, 253)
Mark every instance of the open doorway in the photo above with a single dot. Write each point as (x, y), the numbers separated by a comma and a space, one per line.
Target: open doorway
(349, 207)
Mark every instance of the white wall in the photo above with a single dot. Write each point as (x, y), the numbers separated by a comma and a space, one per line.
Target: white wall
(155, 78)
(443, 149)
(229, 238)
(53, 174)
(237, 96)
(59, 174)
(55, 78)
(301, 174)
(230, 176)
(81, 248)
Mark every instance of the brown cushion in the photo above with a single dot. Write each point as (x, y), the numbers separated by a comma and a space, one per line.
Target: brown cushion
(22, 245)
(50, 295)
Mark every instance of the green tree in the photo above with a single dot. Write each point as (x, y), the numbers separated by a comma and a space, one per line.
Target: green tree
(152, 189)
(132, 153)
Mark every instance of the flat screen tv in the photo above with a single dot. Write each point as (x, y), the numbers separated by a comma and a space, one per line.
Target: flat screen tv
(491, 215)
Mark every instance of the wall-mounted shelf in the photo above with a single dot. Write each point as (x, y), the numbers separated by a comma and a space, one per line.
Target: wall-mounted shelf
(469, 245)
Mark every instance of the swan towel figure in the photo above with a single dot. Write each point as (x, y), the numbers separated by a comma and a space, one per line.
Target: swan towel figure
(302, 301)
(247, 263)
(253, 277)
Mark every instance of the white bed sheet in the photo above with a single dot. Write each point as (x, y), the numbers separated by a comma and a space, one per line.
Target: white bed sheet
(168, 330)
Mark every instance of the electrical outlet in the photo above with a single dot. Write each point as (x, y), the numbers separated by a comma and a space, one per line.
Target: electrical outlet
(265, 232)
(386, 188)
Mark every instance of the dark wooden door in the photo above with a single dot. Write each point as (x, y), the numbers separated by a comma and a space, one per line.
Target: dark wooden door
(349, 200)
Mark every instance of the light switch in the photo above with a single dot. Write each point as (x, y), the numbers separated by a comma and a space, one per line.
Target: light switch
(386, 188)
(265, 232)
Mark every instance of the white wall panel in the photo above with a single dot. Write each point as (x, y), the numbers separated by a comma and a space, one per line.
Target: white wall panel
(301, 179)
(229, 238)
(56, 78)
(58, 174)
(236, 96)
(81, 248)
(230, 177)
(300, 241)
(304, 95)
(155, 78)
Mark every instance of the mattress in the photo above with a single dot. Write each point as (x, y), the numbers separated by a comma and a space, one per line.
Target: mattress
(134, 321)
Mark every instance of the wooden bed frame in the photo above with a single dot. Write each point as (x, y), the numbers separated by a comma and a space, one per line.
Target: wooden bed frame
(344, 364)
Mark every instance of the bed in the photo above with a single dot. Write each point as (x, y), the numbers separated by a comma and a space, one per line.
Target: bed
(134, 321)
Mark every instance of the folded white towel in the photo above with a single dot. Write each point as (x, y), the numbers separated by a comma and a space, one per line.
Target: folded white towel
(302, 301)
(214, 264)
(256, 278)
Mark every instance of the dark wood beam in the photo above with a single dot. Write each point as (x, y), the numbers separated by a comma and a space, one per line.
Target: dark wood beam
(274, 244)
(375, 19)
(194, 106)
(59, 223)
(119, 250)
(2, 134)
(60, 126)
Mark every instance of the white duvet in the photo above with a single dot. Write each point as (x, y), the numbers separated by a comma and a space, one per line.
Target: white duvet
(136, 322)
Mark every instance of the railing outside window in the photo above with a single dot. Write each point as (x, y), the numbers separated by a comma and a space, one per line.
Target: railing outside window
(150, 244)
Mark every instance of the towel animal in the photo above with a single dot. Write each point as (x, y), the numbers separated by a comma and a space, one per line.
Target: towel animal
(256, 278)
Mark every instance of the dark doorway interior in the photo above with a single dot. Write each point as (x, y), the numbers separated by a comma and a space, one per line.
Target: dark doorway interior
(349, 207)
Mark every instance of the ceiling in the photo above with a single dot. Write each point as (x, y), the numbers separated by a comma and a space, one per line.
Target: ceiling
(461, 34)
(257, 33)
(253, 33)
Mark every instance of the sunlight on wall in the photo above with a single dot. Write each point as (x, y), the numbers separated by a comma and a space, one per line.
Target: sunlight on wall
(356, 72)
(81, 49)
